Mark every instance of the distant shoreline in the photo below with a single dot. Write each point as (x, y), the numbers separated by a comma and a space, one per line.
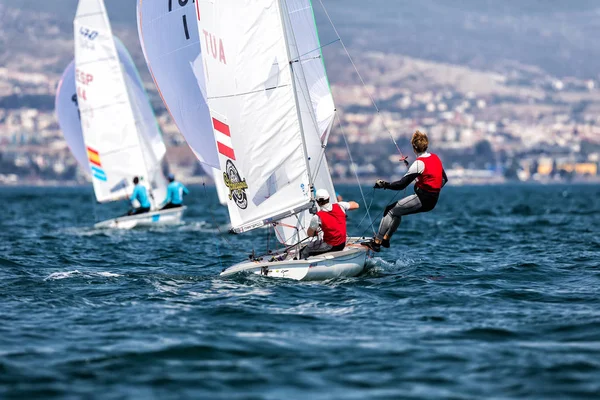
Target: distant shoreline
(364, 182)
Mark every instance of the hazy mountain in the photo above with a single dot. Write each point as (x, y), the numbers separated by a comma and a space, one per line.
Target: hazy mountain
(555, 35)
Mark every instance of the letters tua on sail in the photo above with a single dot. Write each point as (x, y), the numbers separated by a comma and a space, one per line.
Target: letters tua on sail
(255, 118)
(119, 129)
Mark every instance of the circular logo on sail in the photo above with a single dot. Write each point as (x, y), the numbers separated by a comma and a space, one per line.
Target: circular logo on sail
(236, 185)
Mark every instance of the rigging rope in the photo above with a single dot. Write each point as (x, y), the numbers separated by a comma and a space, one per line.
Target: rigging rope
(362, 193)
(402, 156)
(368, 209)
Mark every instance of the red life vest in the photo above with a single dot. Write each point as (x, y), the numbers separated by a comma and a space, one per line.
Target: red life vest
(431, 178)
(333, 225)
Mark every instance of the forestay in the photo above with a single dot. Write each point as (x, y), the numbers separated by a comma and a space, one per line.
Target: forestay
(255, 116)
(119, 129)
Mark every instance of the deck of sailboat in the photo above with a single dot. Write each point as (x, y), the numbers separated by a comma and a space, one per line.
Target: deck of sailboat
(337, 264)
(171, 216)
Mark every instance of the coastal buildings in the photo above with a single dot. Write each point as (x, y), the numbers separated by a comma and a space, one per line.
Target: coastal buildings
(489, 132)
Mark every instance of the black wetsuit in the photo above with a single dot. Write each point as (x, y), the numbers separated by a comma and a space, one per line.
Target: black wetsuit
(421, 201)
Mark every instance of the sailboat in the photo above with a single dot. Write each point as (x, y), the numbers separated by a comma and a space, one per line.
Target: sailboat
(272, 111)
(119, 130)
(169, 38)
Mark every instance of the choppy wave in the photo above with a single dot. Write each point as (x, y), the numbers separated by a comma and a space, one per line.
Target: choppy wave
(491, 295)
(78, 274)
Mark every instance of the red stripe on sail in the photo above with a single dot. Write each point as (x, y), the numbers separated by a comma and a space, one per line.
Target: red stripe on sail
(226, 150)
(221, 127)
(94, 162)
(92, 150)
(198, 10)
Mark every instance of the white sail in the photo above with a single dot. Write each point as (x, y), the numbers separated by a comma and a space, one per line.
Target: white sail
(151, 141)
(306, 49)
(170, 42)
(69, 119)
(251, 96)
(113, 119)
(67, 113)
(169, 37)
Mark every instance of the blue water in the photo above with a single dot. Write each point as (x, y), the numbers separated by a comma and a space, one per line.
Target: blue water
(494, 294)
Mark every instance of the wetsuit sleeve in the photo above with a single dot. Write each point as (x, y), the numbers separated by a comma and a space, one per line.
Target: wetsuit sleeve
(169, 194)
(444, 177)
(185, 190)
(134, 194)
(413, 172)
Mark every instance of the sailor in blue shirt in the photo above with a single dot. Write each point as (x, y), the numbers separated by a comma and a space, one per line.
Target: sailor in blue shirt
(175, 192)
(141, 195)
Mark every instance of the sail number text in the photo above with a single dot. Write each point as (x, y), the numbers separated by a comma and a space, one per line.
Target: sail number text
(85, 79)
(182, 3)
(87, 33)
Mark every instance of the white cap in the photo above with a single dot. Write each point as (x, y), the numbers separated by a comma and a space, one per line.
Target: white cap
(322, 194)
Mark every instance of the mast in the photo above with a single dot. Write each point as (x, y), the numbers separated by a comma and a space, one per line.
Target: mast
(282, 14)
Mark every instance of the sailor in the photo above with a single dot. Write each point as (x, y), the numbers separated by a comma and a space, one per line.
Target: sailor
(141, 195)
(430, 177)
(175, 192)
(330, 220)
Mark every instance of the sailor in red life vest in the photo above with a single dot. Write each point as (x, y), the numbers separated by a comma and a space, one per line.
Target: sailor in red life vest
(430, 178)
(330, 220)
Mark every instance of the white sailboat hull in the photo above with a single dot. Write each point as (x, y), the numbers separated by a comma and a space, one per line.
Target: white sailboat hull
(338, 264)
(170, 216)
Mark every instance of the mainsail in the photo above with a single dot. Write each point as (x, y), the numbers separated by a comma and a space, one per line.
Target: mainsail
(169, 37)
(257, 120)
(120, 132)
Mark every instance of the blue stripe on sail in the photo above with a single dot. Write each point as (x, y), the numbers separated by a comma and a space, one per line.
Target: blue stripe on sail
(100, 177)
(98, 173)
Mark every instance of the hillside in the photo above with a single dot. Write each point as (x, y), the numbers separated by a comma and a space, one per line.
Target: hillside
(554, 35)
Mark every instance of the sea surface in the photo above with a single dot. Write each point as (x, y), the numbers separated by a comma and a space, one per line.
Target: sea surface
(494, 294)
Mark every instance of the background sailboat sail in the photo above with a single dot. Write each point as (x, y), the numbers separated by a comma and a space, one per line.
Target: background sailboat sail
(254, 112)
(151, 141)
(67, 113)
(114, 120)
